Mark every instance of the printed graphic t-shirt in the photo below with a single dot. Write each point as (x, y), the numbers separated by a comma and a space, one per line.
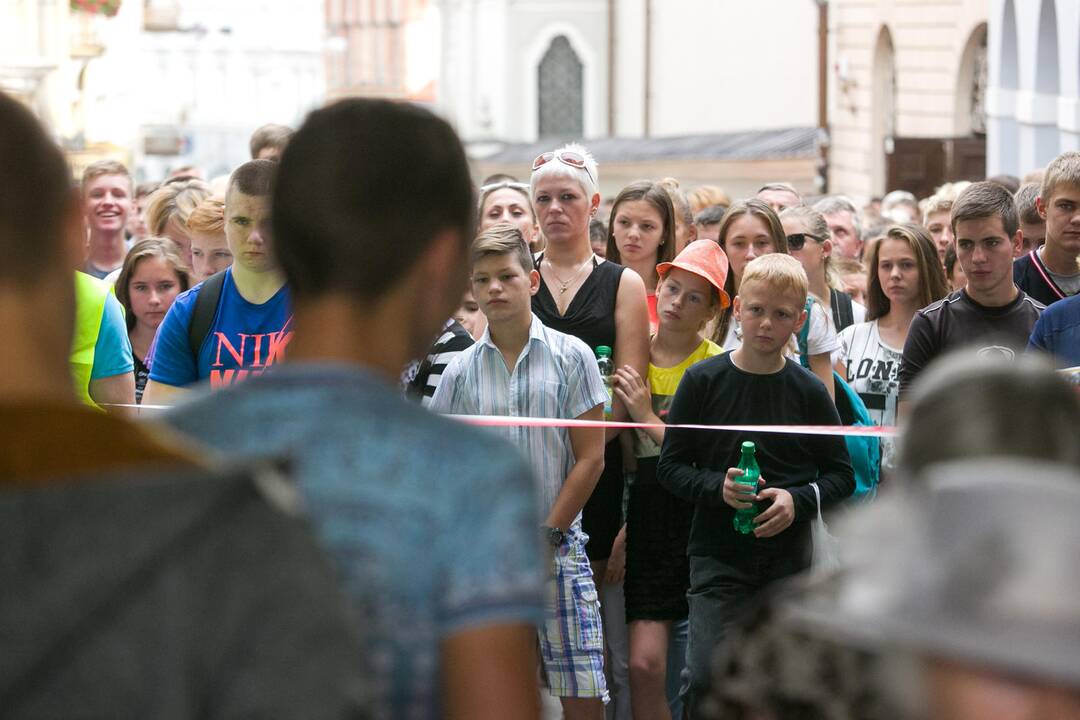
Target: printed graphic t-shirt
(873, 371)
(244, 338)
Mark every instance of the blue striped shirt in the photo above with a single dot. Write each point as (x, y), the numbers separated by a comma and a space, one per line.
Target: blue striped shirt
(555, 376)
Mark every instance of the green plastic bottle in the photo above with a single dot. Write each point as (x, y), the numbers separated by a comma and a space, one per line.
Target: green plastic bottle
(607, 369)
(744, 519)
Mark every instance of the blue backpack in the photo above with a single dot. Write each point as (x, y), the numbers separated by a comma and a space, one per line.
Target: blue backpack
(865, 451)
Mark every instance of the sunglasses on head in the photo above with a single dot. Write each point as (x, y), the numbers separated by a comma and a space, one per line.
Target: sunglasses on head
(566, 157)
(485, 189)
(795, 241)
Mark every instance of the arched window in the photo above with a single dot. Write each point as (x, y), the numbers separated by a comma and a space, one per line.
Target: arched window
(560, 79)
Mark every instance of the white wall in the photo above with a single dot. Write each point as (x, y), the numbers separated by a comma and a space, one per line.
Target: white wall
(1034, 105)
(929, 40)
(727, 66)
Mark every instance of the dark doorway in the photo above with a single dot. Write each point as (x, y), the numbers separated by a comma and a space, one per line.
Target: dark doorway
(919, 165)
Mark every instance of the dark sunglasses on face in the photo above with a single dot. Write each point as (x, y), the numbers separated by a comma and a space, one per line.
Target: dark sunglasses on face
(795, 241)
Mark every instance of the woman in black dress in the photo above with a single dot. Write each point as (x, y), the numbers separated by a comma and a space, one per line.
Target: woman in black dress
(601, 303)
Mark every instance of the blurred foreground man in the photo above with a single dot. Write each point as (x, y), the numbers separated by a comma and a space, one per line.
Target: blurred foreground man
(135, 583)
(432, 523)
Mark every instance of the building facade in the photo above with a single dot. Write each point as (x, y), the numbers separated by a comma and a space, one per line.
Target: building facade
(1033, 103)
(907, 94)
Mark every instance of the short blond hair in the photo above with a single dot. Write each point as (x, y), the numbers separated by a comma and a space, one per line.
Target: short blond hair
(1062, 170)
(104, 167)
(175, 199)
(781, 273)
(499, 240)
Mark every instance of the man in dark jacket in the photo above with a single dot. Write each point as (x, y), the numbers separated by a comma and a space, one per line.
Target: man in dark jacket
(137, 582)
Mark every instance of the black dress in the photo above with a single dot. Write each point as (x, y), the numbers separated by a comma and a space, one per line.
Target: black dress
(590, 317)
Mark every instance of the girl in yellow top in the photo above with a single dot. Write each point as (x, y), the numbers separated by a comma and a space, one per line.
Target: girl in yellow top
(690, 293)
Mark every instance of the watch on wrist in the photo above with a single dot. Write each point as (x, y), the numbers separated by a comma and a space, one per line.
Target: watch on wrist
(553, 535)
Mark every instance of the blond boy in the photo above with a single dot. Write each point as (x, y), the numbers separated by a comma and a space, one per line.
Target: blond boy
(754, 385)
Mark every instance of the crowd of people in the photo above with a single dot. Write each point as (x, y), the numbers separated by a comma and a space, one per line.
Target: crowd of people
(291, 528)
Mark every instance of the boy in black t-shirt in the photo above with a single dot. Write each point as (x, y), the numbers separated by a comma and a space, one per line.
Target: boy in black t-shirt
(754, 385)
(990, 313)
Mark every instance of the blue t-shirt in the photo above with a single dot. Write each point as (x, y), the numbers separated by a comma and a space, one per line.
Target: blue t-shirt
(432, 524)
(1058, 331)
(244, 338)
(112, 351)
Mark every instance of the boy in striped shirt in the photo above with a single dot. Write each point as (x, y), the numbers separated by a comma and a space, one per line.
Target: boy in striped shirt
(522, 368)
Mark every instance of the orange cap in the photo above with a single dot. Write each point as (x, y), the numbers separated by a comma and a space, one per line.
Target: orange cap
(704, 258)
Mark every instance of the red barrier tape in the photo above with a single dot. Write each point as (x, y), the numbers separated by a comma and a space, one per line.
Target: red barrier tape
(504, 421)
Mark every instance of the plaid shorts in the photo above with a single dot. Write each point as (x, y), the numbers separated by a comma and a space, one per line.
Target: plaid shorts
(571, 639)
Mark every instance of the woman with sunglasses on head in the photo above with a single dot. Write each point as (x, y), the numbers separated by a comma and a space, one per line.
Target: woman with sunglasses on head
(505, 200)
(905, 275)
(641, 234)
(810, 242)
(602, 304)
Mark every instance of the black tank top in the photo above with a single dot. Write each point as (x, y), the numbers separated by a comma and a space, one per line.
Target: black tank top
(590, 317)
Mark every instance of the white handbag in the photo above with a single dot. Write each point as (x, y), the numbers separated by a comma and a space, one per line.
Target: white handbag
(826, 548)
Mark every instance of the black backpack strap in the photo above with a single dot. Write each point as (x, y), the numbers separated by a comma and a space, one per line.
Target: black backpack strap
(842, 310)
(202, 316)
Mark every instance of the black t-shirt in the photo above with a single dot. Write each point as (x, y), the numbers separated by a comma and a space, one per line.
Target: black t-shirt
(957, 322)
(693, 463)
(142, 374)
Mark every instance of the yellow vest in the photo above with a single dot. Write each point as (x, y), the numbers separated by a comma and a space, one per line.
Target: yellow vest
(90, 295)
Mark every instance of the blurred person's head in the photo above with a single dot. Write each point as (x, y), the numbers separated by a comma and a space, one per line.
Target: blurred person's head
(706, 196)
(41, 239)
(900, 206)
(505, 200)
(269, 141)
(136, 222)
(1032, 224)
(953, 272)
(685, 229)
(470, 316)
(936, 210)
(186, 172)
(986, 226)
(598, 237)
(708, 222)
(351, 237)
(168, 208)
(152, 276)
(903, 269)
(1035, 176)
(642, 225)
(1009, 182)
(107, 201)
(1057, 203)
(844, 222)
(979, 405)
(779, 196)
(852, 277)
(210, 252)
(247, 218)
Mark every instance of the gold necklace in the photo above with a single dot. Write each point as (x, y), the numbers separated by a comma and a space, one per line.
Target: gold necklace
(564, 285)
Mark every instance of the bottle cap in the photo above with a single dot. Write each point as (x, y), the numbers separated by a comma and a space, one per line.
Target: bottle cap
(603, 351)
(748, 446)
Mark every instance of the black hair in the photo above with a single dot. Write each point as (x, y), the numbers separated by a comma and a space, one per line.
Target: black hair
(255, 178)
(365, 186)
(37, 195)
